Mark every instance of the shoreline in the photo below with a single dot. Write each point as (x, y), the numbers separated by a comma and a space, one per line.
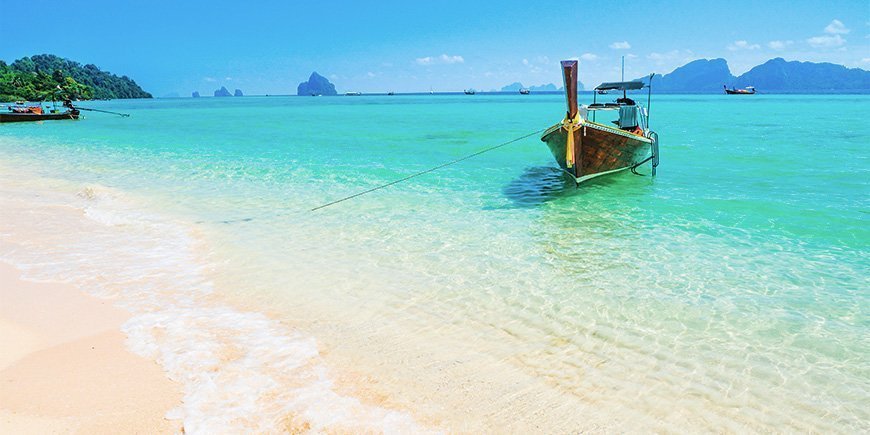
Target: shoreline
(66, 368)
(237, 369)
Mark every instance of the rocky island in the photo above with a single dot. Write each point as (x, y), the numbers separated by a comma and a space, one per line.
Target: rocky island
(513, 87)
(776, 75)
(238, 93)
(195, 94)
(316, 85)
(222, 92)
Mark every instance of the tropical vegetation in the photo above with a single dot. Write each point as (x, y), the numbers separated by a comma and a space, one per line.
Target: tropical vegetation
(46, 77)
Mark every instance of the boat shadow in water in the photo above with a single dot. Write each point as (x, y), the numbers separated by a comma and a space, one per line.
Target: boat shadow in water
(537, 185)
(540, 184)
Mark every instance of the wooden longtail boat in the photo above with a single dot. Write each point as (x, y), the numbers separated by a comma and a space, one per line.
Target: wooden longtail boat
(733, 91)
(21, 113)
(586, 149)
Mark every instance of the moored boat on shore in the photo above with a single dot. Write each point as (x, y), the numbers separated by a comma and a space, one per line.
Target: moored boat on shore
(21, 112)
(586, 149)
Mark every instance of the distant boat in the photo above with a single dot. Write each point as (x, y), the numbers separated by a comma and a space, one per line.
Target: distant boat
(749, 90)
(353, 94)
(391, 93)
(585, 149)
(24, 113)
(470, 92)
(524, 91)
(601, 92)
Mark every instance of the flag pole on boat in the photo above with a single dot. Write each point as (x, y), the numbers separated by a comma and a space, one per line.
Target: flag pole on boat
(623, 69)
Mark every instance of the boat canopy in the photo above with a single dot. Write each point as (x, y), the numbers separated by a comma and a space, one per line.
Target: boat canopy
(622, 86)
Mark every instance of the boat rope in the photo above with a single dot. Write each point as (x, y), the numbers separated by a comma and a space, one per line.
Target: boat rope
(443, 165)
(125, 115)
(654, 147)
(634, 166)
(570, 126)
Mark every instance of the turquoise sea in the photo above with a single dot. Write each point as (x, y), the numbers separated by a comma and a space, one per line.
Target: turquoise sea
(729, 293)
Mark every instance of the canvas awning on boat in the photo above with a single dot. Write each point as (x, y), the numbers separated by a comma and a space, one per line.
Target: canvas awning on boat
(622, 86)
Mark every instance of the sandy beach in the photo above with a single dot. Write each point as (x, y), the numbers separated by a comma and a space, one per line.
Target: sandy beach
(65, 367)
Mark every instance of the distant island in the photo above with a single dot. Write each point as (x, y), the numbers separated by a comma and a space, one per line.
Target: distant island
(238, 93)
(776, 76)
(516, 86)
(195, 94)
(37, 78)
(316, 85)
(222, 92)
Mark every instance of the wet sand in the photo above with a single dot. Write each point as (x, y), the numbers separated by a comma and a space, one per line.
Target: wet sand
(65, 367)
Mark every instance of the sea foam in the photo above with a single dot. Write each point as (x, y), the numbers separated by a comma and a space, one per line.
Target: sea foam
(241, 371)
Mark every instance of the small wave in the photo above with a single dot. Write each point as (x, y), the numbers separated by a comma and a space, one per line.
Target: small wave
(241, 371)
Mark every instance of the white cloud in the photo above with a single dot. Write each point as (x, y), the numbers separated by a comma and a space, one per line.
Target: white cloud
(443, 59)
(229, 79)
(742, 45)
(832, 38)
(631, 56)
(452, 59)
(865, 60)
(779, 45)
(210, 79)
(620, 45)
(589, 56)
(826, 41)
(370, 74)
(836, 28)
(525, 61)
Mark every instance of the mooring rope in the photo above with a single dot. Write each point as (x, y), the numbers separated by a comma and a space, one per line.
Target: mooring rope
(443, 165)
(123, 115)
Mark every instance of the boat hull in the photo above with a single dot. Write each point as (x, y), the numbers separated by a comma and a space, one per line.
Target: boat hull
(31, 117)
(598, 150)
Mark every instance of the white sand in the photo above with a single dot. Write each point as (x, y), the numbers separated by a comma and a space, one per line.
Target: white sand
(64, 367)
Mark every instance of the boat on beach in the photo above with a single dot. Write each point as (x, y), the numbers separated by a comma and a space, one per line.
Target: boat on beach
(749, 90)
(22, 112)
(585, 148)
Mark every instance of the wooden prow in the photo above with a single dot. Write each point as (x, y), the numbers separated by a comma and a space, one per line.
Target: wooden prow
(569, 75)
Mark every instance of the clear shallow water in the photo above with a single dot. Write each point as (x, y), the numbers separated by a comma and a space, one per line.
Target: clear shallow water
(728, 292)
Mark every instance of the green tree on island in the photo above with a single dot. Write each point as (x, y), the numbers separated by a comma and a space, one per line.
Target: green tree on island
(46, 77)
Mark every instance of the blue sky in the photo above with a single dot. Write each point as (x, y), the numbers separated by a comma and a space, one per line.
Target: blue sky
(270, 46)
